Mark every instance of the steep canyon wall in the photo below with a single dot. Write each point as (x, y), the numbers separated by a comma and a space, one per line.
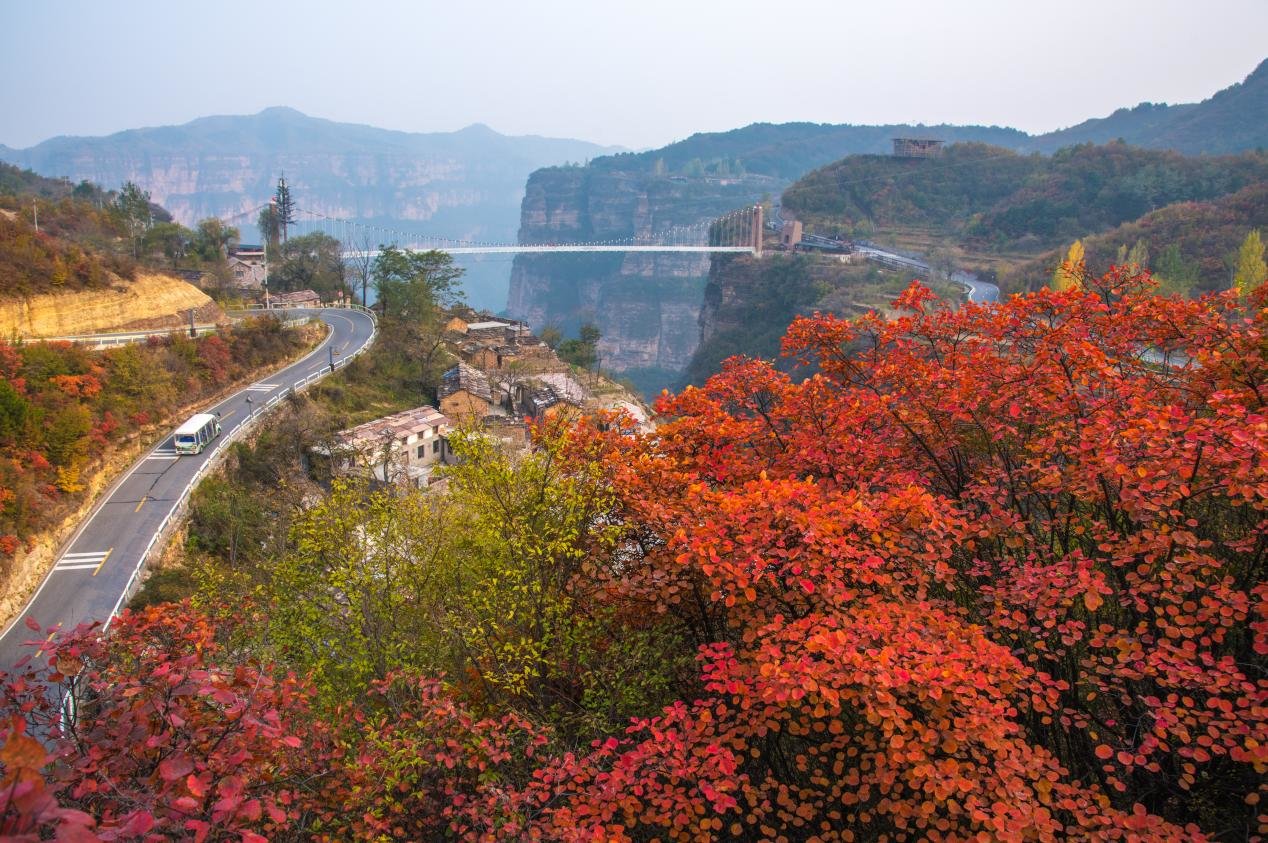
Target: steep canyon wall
(647, 306)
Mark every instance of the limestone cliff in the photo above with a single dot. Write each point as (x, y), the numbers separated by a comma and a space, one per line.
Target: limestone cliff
(645, 305)
(151, 301)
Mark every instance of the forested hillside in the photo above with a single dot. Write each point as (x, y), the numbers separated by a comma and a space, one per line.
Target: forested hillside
(996, 200)
(1191, 247)
(787, 150)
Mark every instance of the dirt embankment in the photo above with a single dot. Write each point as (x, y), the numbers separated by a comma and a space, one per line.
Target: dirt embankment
(151, 301)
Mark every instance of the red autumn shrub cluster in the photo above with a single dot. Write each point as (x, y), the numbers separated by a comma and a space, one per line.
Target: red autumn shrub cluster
(992, 573)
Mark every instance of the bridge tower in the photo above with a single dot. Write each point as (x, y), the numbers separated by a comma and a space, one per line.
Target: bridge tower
(757, 229)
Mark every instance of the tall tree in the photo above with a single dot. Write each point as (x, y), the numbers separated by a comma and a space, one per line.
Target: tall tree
(410, 285)
(583, 351)
(361, 264)
(213, 240)
(311, 262)
(133, 209)
(270, 227)
(285, 206)
(1251, 269)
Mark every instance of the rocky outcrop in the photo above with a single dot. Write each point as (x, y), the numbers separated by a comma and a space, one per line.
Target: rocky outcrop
(147, 303)
(647, 306)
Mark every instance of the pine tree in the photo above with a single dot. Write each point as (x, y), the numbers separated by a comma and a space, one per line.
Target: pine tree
(285, 206)
(1251, 269)
(1070, 273)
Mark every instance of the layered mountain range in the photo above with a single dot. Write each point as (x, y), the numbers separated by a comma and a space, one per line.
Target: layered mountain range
(469, 185)
(464, 185)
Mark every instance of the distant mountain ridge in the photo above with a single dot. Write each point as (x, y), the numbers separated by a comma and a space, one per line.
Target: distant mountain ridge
(1233, 120)
(281, 128)
(648, 310)
(465, 184)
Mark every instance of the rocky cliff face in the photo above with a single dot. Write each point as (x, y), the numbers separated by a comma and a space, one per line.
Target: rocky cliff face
(647, 306)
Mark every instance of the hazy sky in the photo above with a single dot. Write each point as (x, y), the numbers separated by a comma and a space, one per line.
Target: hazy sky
(636, 74)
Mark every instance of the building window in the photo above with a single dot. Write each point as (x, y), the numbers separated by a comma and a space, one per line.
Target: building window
(435, 447)
(422, 449)
(436, 430)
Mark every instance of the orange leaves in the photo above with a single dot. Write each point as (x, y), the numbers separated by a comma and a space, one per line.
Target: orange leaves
(1031, 468)
(77, 386)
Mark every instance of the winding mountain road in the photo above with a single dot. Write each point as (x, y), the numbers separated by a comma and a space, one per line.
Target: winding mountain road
(98, 569)
(979, 291)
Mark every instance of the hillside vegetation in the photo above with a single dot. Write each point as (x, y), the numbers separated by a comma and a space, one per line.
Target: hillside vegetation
(996, 200)
(992, 575)
(1190, 246)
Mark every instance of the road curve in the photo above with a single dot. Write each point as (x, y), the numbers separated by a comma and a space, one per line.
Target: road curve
(979, 291)
(96, 568)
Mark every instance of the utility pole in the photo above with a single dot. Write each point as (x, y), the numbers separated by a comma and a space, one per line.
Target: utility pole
(266, 273)
(192, 333)
(35, 209)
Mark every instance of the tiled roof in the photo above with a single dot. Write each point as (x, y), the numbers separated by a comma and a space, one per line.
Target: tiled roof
(464, 378)
(398, 426)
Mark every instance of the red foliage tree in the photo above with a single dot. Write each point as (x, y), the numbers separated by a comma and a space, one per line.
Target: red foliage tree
(994, 570)
(174, 735)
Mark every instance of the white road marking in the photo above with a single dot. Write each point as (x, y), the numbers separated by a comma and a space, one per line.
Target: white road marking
(86, 561)
(118, 483)
(262, 387)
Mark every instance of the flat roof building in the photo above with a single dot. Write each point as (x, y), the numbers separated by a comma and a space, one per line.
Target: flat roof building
(917, 147)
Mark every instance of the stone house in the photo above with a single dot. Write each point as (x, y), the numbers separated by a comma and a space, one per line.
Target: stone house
(466, 394)
(404, 448)
(246, 275)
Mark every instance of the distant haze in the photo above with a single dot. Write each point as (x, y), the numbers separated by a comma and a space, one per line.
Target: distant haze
(637, 74)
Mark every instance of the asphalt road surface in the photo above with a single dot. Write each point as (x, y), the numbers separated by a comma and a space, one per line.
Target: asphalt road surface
(95, 568)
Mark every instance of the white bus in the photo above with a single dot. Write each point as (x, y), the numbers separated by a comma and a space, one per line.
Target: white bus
(193, 435)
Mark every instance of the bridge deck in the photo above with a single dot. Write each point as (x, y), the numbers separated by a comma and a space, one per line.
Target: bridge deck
(547, 249)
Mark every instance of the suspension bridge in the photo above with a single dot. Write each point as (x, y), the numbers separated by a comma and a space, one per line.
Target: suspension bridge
(737, 232)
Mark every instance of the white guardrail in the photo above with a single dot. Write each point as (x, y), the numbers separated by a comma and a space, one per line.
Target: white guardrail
(182, 501)
(100, 341)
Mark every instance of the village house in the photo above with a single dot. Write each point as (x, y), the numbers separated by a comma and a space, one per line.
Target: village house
(299, 298)
(498, 345)
(466, 394)
(246, 276)
(247, 267)
(404, 448)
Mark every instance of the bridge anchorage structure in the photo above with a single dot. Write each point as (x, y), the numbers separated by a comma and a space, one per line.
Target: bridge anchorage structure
(737, 232)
